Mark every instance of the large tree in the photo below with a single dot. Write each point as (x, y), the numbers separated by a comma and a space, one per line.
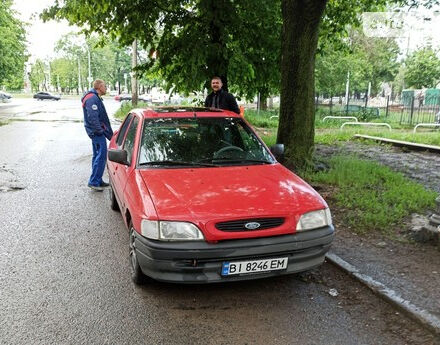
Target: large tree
(195, 39)
(109, 61)
(422, 69)
(367, 59)
(12, 47)
(303, 22)
(192, 40)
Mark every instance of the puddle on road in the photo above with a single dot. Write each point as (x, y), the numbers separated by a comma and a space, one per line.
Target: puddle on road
(9, 181)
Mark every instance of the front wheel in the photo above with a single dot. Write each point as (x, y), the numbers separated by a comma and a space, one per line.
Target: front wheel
(113, 202)
(136, 273)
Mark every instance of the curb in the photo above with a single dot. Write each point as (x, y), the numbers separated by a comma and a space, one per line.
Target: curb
(400, 143)
(420, 315)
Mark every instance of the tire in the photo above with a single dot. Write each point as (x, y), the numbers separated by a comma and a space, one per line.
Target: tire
(135, 270)
(113, 202)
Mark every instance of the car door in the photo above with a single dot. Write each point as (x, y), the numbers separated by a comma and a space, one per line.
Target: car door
(114, 167)
(122, 172)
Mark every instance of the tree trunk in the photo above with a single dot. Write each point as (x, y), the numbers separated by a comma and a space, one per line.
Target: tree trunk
(217, 59)
(296, 130)
(264, 94)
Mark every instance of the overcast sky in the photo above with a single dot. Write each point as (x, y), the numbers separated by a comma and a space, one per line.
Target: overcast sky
(42, 36)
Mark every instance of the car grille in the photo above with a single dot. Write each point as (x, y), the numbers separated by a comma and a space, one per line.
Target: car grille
(239, 225)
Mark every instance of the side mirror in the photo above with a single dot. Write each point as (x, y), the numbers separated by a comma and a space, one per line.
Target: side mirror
(118, 156)
(278, 152)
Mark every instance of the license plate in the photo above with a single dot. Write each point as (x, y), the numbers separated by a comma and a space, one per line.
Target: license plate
(254, 266)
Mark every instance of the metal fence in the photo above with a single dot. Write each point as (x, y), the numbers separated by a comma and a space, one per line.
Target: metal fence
(420, 110)
(409, 110)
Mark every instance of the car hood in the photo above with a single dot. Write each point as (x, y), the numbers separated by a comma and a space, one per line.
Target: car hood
(203, 195)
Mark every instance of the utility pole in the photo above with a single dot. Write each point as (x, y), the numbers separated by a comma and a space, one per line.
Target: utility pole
(134, 87)
(79, 77)
(347, 88)
(49, 83)
(89, 78)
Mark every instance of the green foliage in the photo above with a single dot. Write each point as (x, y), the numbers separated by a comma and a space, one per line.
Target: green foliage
(12, 47)
(64, 74)
(373, 197)
(264, 119)
(192, 40)
(422, 69)
(108, 61)
(367, 59)
(37, 75)
(126, 107)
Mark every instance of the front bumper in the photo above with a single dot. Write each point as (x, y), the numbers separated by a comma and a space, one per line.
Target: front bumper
(201, 262)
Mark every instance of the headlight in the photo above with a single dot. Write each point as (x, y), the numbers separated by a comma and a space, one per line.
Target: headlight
(170, 231)
(314, 220)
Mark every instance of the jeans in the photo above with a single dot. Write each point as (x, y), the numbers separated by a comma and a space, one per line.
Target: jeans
(99, 145)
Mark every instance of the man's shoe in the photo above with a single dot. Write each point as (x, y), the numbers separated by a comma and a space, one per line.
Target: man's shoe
(104, 184)
(96, 188)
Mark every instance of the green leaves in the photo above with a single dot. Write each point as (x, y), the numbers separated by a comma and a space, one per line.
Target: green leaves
(367, 59)
(194, 39)
(422, 69)
(12, 47)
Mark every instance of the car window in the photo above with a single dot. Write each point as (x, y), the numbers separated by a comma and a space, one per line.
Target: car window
(124, 127)
(219, 141)
(129, 139)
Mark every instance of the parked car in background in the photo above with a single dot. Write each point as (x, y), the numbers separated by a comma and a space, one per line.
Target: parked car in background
(46, 95)
(4, 96)
(145, 98)
(205, 200)
(123, 97)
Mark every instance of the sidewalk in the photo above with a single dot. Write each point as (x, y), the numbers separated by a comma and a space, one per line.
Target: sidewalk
(412, 271)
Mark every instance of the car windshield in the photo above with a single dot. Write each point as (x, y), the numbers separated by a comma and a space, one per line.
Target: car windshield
(201, 142)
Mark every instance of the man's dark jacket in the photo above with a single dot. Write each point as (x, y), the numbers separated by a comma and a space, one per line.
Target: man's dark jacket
(96, 120)
(224, 100)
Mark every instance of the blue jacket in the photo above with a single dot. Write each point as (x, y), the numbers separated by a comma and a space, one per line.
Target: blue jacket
(96, 119)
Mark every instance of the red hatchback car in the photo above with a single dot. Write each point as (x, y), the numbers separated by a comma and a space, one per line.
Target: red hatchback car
(206, 201)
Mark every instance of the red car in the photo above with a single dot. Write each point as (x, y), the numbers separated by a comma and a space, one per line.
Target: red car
(206, 201)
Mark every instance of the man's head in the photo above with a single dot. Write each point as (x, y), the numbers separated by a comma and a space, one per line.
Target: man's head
(216, 84)
(99, 85)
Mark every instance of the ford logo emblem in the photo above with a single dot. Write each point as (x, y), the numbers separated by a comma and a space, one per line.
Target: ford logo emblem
(252, 225)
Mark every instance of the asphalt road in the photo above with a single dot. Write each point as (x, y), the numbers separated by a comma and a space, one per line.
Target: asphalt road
(64, 276)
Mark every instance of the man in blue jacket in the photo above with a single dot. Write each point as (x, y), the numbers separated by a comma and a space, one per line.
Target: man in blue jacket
(98, 129)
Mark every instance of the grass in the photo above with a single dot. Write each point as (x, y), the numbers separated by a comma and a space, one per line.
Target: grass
(126, 107)
(263, 119)
(373, 197)
(333, 136)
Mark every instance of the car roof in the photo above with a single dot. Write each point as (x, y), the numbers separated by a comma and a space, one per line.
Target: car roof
(176, 111)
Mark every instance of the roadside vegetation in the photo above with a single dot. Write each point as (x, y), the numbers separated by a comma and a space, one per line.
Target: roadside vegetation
(125, 109)
(372, 197)
(368, 197)
(328, 132)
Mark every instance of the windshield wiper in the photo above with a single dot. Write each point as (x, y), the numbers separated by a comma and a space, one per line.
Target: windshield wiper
(225, 159)
(170, 162)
